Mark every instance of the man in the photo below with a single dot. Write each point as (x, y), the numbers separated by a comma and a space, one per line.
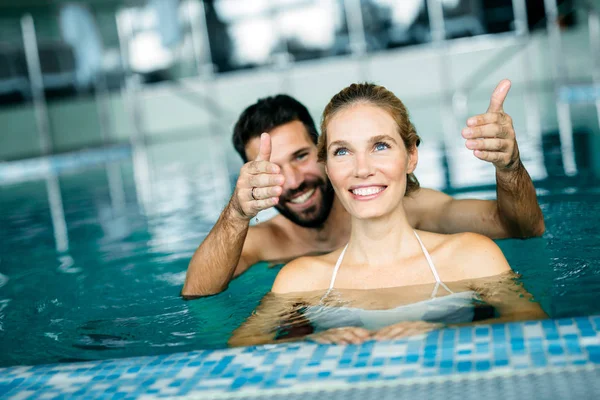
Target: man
(284, 173)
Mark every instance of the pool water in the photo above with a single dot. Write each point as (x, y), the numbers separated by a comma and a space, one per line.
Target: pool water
(112, 288)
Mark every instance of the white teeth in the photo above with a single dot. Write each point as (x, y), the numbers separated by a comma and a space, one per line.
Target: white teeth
(367, 191)
(301, 199)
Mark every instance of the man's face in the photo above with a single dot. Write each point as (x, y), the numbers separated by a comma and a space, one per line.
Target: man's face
(307, 194)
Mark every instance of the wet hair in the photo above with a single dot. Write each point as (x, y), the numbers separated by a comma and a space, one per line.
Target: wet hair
(267, 114)
(379, 96)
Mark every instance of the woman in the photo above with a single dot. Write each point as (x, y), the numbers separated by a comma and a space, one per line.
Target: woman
(369, 148)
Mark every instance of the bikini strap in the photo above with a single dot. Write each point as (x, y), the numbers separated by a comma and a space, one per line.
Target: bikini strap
(337, 267)
(432, 267)
(335, 271)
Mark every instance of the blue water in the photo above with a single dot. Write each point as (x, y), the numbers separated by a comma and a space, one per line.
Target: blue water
(113, 290)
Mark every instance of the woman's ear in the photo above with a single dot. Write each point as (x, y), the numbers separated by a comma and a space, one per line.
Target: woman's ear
(413, 159)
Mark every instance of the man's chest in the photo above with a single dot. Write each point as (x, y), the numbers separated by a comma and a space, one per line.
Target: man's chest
(286, 247)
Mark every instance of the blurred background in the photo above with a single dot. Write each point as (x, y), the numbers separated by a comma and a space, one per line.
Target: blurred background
(176, 73)
(115, 140)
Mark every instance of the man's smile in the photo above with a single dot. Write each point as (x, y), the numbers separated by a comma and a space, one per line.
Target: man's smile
(301, 198)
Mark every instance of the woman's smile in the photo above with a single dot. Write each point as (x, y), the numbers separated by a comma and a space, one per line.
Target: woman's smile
(366, 192)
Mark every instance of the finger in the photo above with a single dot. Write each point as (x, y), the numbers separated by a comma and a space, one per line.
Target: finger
(487, 144)
(361, 332)
(260, 205)
(498, 96)
(353, 338)
(387, 335)
(486, 131)
(261, 193)
(388, 332)
(487, 118)
(262, 167)
(320, 339)
(491, 156)
(380, 335)
(265, 180)
(264, 151)
(381, 332)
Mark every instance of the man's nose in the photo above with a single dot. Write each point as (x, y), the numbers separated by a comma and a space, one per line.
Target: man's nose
(362, 166)
(293, 177)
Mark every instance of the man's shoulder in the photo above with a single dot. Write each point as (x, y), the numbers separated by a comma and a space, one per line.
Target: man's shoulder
(275, 240)
(276, 229)
(423, 206)
(423, 196)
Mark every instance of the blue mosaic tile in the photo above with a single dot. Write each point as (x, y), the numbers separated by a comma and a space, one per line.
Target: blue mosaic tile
(464, 335)
(465, 350)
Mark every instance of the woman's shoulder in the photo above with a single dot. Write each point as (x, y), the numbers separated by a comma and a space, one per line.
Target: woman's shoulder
(468, 255)
(478, 256)
(305, 274)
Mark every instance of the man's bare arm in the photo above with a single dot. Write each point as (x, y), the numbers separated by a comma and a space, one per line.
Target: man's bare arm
(516, 212)
(219, 257)
(224, 252)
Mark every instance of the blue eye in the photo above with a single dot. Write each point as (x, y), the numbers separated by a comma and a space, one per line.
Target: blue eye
(342, 151)
(381, 146)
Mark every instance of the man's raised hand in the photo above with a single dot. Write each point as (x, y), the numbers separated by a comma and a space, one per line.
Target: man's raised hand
(260, 184)
(491, 136)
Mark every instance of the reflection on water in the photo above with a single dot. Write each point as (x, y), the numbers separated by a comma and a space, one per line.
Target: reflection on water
(353, 316)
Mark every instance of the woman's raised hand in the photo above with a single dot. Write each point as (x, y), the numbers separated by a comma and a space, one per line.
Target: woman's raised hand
(260, 184)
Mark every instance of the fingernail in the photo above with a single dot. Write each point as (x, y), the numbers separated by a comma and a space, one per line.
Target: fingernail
(471, 121)
(471, 144)
(467, 132)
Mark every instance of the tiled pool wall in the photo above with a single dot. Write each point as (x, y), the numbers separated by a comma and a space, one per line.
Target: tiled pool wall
(547, 359)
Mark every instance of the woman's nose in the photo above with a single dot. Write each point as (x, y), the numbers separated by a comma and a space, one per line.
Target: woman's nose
(362, 166)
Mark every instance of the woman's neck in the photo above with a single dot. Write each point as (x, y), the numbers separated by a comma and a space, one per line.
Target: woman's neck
(381, 241)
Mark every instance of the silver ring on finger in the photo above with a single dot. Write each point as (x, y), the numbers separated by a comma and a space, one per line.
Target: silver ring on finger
(252, 193)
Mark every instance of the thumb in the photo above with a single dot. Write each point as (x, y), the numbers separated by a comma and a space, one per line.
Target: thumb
(264, 151)
(498, 96)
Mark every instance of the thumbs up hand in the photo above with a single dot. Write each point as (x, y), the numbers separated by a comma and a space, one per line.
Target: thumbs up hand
(259, 184)
(491, 136)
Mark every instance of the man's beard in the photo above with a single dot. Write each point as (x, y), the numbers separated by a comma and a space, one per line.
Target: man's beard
(315, 215)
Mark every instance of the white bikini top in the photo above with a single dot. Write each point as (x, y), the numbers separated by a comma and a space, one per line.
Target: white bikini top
(453, 308)
(438, 281)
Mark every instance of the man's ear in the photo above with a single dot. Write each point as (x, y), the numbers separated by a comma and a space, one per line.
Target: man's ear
(413, 159)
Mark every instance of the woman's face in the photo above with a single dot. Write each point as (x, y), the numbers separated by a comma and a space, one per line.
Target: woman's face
(367, 161)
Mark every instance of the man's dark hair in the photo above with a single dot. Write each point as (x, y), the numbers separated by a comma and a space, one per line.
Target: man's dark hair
(267, 114)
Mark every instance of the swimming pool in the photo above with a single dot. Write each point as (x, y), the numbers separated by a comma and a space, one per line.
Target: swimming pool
(113, 291)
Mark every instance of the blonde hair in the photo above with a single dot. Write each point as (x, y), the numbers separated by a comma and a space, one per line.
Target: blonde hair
(379, 96)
